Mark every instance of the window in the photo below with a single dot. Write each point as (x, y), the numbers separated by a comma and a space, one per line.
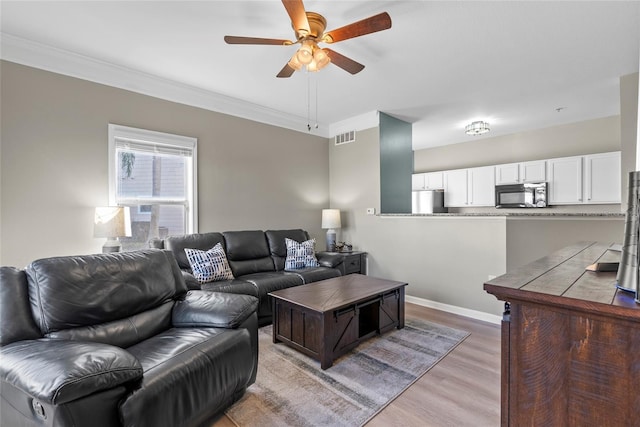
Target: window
(155, 174)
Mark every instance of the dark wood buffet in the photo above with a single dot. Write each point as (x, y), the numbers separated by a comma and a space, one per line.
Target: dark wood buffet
(570, 342)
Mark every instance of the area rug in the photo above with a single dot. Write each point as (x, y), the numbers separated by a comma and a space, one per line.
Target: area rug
(292, 390)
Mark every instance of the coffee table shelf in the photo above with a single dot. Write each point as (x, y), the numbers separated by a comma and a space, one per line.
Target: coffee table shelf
(326, 319)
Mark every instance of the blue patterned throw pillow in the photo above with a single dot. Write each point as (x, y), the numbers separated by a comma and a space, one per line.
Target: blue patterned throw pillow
(300, 255)
(209, 266)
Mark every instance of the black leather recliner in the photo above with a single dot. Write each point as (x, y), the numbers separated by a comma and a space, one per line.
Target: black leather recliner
(117, 339)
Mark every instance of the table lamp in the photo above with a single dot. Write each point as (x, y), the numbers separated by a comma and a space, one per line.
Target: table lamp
(331, 221)
(112, 222)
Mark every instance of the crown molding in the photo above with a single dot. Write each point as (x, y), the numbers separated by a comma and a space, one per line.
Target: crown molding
(49, 58)
(357, 123)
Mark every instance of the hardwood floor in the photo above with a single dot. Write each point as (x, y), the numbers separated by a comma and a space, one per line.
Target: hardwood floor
(463, 389)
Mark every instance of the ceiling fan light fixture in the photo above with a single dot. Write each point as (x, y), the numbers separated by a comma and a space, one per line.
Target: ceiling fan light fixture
(321, 58)
(477, 128)
(305, 53)
(294, 63)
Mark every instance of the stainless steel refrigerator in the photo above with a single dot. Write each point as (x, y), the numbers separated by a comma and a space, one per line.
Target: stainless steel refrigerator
(427, 201)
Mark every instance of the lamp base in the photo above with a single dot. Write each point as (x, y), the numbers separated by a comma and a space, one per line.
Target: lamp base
(111, 245)
(331, 240)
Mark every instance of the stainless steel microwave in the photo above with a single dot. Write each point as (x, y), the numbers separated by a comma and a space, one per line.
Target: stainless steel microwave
(527, 195)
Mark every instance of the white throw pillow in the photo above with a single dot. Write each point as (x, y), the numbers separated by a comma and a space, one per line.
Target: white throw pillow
(300, 255)
(209, 266)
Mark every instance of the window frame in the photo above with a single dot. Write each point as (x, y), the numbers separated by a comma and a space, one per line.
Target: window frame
(156, 140)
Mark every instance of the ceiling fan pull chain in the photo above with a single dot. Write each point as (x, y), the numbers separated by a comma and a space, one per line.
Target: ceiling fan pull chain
(316, 81)
(308, 102)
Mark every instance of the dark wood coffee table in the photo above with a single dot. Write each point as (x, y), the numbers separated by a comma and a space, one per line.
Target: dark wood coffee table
(328, 318)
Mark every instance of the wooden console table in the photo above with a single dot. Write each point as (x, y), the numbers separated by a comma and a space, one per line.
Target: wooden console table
(570, 342)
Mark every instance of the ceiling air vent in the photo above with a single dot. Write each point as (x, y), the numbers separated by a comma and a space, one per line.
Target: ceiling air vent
(346, 137)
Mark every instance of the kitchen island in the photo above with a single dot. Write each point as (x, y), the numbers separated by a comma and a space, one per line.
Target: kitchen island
(570, 342)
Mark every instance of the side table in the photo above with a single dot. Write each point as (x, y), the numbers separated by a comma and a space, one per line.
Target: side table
(354, 262)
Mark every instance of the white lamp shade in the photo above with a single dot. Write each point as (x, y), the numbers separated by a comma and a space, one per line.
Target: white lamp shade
(112, 221)
(331, 218)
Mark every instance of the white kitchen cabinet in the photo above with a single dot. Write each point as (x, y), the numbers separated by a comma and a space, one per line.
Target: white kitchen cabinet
(535, 171)
(481, 186)
(470, 187)
(417, 181)
(565, 180)
(508, 174)
(427, 181)
(434, 180)
(516, 173)
(456, 188)
(602, 178)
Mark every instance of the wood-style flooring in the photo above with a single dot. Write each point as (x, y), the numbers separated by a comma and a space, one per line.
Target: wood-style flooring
(463, 389)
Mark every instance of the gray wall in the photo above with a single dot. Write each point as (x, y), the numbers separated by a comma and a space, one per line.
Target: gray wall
(54, 164)
(532, 238)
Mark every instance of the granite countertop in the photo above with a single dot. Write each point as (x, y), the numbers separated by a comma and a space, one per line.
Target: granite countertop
(516, 214)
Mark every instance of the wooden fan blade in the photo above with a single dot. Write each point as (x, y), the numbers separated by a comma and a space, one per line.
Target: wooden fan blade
(298, 16)
(256, 40)
(343, 62)
(379, 22)
(286, 71)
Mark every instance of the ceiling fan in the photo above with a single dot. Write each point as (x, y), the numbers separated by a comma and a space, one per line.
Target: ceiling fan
(309, 29)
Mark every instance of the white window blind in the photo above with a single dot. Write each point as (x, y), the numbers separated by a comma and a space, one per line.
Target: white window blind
(155, 173)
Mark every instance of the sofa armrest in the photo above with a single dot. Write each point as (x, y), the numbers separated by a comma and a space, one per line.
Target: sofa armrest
(60, 371)
(326, 259)
(213, 309)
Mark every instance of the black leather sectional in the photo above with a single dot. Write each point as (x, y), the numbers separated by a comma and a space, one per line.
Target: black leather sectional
(257, 260)
(118, 339)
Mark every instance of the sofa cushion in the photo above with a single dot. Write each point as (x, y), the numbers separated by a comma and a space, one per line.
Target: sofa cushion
(278, 246)
(16, 321)
(202, 241)
(272, 281)
(209, 266)
(187, 373)
(235, 286)
(76, 291)
(248, 252)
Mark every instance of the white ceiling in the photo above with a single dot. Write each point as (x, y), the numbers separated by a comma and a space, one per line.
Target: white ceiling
(442, 64)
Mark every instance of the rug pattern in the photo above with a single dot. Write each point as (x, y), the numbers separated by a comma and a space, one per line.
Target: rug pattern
(291, 389)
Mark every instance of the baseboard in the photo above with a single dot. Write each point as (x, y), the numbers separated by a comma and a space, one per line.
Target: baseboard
(474, 314)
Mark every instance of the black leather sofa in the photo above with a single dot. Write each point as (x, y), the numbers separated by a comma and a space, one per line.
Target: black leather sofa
(257, 260)
(118, 339)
